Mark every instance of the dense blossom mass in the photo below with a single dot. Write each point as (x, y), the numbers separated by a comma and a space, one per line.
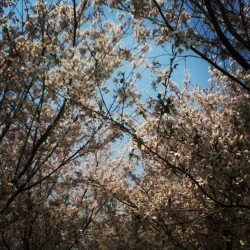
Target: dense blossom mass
(100, 148)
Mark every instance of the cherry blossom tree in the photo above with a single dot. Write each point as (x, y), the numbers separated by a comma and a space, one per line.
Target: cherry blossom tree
(56, 59)
(192, 147)
(87, 162)
(192, 188)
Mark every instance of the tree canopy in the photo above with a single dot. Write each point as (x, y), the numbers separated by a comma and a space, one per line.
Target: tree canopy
(89, 160)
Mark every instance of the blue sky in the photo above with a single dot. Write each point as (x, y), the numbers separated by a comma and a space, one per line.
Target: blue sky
(197, 67)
